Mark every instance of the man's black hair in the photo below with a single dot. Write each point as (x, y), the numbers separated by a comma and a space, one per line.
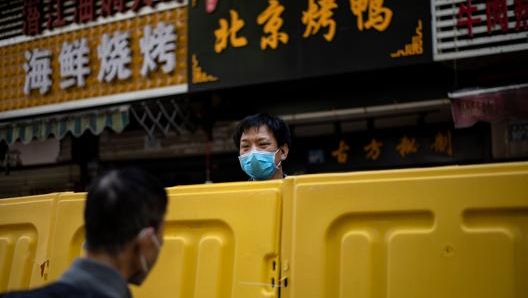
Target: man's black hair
(119, 205)
(276, 125)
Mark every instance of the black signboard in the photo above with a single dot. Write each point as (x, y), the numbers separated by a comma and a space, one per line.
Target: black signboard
(414, 146)
(245, 42)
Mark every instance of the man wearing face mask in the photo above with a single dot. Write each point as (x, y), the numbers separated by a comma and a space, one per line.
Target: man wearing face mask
(263, 142)
(124, 214)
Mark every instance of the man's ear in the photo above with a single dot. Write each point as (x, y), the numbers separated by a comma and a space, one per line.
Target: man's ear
(284, 149)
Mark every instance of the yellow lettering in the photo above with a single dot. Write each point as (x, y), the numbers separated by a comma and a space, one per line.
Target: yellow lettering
(272, 23)
(341, 153)
(318, 16)
(378, 17)
(225, 31)
(442, 143)
(407, 146)
(373, 149)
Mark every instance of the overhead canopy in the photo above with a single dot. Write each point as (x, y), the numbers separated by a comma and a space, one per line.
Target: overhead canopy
(41, 128)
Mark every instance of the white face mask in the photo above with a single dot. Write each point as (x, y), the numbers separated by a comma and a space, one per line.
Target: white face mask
(139, 277)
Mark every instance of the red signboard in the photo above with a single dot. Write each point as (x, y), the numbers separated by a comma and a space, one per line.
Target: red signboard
(489, 106)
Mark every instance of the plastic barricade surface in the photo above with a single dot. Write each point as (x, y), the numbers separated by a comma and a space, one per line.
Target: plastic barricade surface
(438, 232)
(68, 233)
(456, 231)
(221, 240)
(25, 229)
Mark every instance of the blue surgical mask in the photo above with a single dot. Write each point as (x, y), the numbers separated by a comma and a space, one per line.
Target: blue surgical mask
(259, 165)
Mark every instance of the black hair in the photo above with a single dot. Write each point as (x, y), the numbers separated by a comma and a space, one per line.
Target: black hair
(278, 127)
(119, 205)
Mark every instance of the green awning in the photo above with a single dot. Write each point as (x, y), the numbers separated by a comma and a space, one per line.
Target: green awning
(41, 128)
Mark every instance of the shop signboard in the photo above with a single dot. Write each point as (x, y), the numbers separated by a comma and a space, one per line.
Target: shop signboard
(471, 28)
(248, 42)
(92, 54)
(489, 105)
(409, 146)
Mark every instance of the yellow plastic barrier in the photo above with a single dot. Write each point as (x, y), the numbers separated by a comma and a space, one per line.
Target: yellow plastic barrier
(456, 231)
(68, 233)
(221, 240)
(437, 232)
(25, 230)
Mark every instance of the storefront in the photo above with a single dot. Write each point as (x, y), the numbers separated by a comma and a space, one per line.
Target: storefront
(161, 84)
(71, 71)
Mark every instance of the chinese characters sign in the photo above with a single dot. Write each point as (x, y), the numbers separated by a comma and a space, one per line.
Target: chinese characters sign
(496, 16)
(247, 42)
(143, 53)
(406, 146)
(40, 15)
(469, 28)
(492, 106)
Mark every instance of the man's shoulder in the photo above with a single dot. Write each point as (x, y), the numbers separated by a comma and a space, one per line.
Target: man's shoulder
(53, 290)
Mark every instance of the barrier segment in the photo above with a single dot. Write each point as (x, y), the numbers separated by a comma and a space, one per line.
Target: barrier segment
(454, 231)
(221, 240)
(68, 232)
(25, 228)
(436, 233)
